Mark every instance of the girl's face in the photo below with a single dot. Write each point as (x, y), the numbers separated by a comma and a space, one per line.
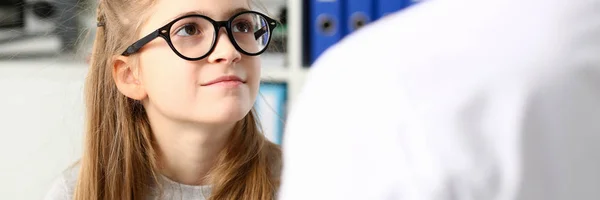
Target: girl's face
(195, 91)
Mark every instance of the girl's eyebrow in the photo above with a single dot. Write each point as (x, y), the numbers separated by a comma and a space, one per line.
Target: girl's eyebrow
(200, 12)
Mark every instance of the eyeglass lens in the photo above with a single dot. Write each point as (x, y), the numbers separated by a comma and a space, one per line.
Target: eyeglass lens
(193, 36)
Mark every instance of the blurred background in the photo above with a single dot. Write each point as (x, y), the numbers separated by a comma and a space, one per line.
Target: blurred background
(44, 45)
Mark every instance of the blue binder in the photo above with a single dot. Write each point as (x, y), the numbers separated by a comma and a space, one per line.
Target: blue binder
(358, 14)
(385, 7)
(270, 109)
(413, 2)
(326, 25)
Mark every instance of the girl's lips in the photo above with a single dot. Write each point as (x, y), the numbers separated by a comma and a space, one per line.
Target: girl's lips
(225, 80)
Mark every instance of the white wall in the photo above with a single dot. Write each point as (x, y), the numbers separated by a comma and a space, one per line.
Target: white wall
(41, 123)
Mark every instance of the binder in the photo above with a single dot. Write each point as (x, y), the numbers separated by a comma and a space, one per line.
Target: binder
(358, 14)
(271, 109)
(326, 25)
(414, 2)
(385, 7)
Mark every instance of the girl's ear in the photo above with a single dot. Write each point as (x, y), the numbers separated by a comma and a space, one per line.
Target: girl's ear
(127, 78)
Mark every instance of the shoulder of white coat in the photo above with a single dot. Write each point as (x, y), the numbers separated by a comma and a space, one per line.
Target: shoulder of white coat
(63, 186)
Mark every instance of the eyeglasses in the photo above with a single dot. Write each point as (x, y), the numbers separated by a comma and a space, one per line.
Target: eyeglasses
(193, 37)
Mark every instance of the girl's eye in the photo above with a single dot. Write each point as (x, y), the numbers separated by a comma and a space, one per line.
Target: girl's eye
(243, 27)
(188, 30)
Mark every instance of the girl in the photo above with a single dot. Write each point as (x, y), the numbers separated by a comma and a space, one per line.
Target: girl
(169, 101)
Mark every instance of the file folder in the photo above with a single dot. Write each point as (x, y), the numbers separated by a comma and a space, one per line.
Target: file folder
(326, 25)
(385, 7)
(358, 14)
(271, 109)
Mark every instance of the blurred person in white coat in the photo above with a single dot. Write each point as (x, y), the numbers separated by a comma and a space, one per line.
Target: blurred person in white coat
(454, 99)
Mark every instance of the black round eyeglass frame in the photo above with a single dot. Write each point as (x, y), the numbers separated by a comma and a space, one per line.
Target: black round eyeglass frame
(164, 32)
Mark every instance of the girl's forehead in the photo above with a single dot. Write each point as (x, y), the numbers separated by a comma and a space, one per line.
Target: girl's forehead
(216, 9)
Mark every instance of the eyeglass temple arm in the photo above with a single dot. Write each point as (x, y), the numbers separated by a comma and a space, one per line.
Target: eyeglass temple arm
(264, 29)
(260, 32)
(140, 43)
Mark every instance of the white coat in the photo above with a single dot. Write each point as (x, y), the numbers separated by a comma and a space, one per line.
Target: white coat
(454, 100)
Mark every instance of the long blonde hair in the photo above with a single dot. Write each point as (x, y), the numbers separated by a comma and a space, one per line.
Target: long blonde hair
(119, 159)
